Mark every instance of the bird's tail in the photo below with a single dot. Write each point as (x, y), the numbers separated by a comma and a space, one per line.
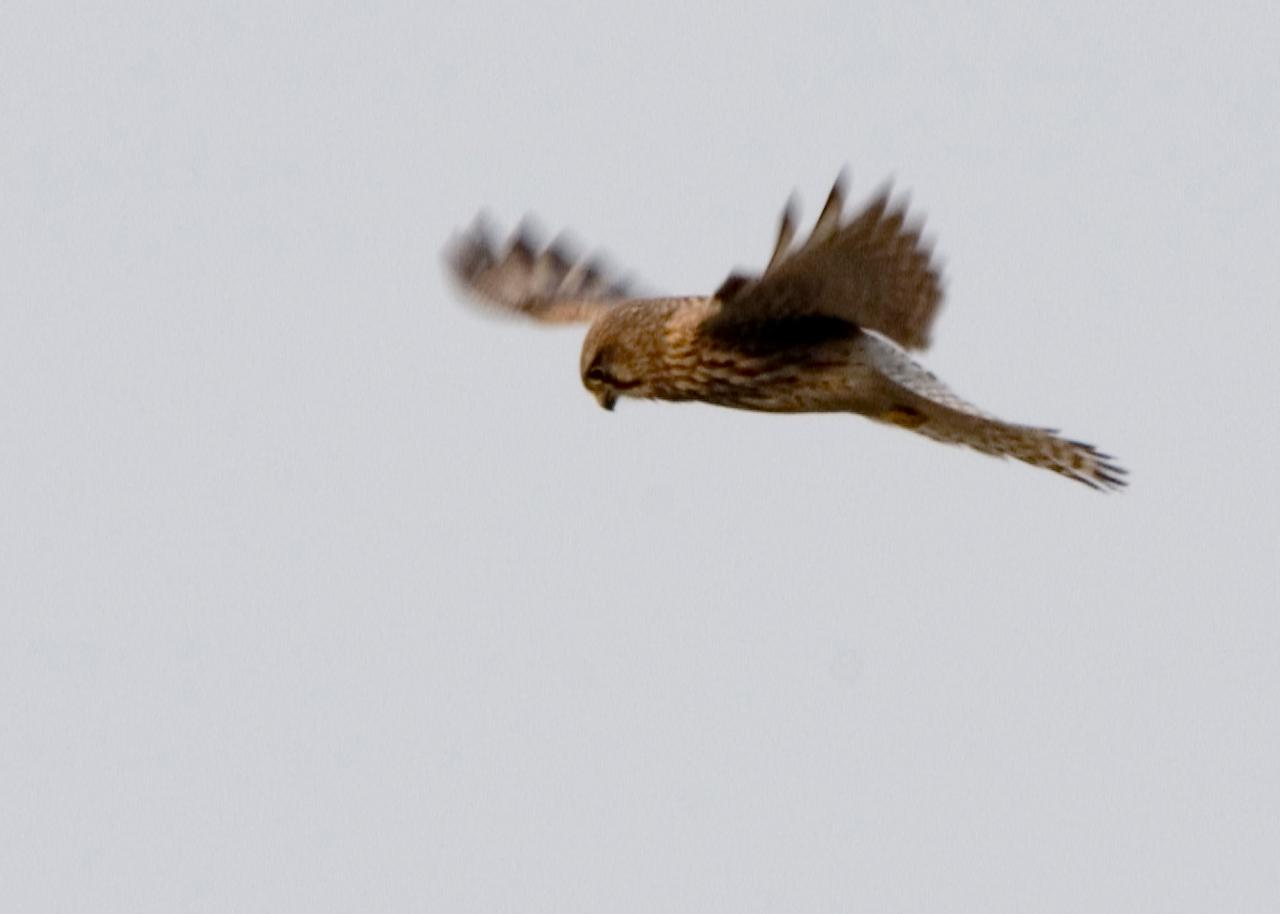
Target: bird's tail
(915, 399)
(1039, 447)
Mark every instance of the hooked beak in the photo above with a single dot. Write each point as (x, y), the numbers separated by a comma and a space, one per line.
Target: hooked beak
(607, 398)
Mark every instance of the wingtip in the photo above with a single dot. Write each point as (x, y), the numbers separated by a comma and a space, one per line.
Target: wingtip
(841, 183)
(791, 209)
(786, 232)
(828, 222)
(471, 250)
(526, 239)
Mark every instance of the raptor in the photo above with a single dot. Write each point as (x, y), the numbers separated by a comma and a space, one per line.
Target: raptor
(825, 328)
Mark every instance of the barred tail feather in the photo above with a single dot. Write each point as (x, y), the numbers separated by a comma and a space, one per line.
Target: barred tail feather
(1037, 446)
(917, 400)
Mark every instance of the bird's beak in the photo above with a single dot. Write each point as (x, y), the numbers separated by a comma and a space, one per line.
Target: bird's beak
(607, 398)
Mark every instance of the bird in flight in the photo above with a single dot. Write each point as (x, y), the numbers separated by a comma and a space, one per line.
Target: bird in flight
(824, 328)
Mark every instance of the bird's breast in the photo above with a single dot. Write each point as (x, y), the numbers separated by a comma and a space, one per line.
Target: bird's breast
(795, 378)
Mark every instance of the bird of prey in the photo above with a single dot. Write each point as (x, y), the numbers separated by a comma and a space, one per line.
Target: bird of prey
(822, 329)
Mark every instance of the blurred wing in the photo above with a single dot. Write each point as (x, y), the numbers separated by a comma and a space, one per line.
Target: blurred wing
(874, 271)
(548, 284)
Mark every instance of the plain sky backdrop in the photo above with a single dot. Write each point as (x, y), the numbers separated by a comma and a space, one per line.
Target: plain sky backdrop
(322, 591)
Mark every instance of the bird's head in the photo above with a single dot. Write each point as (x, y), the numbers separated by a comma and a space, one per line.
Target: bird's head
(620, 355)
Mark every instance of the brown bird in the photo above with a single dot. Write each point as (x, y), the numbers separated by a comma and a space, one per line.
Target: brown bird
(816, 332)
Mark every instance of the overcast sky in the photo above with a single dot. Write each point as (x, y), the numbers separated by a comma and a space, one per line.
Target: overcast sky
(322, 591)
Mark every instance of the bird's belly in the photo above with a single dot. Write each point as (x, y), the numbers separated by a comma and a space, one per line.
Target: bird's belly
(821, 379)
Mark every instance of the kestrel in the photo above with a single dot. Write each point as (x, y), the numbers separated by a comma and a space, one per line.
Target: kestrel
(823, 329)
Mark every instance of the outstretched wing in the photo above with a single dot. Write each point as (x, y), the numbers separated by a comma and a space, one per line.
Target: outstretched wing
(874, 271)
(548, 284)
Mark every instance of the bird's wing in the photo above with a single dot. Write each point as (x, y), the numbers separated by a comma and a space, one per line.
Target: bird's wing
(873, 270)
(546, 283)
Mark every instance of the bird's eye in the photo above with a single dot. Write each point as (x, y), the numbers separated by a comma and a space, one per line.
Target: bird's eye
(597, 374)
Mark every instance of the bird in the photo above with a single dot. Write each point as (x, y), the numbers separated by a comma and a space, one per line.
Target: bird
(825, 328)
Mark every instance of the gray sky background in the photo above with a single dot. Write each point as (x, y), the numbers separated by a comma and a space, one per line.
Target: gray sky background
(322, 591)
